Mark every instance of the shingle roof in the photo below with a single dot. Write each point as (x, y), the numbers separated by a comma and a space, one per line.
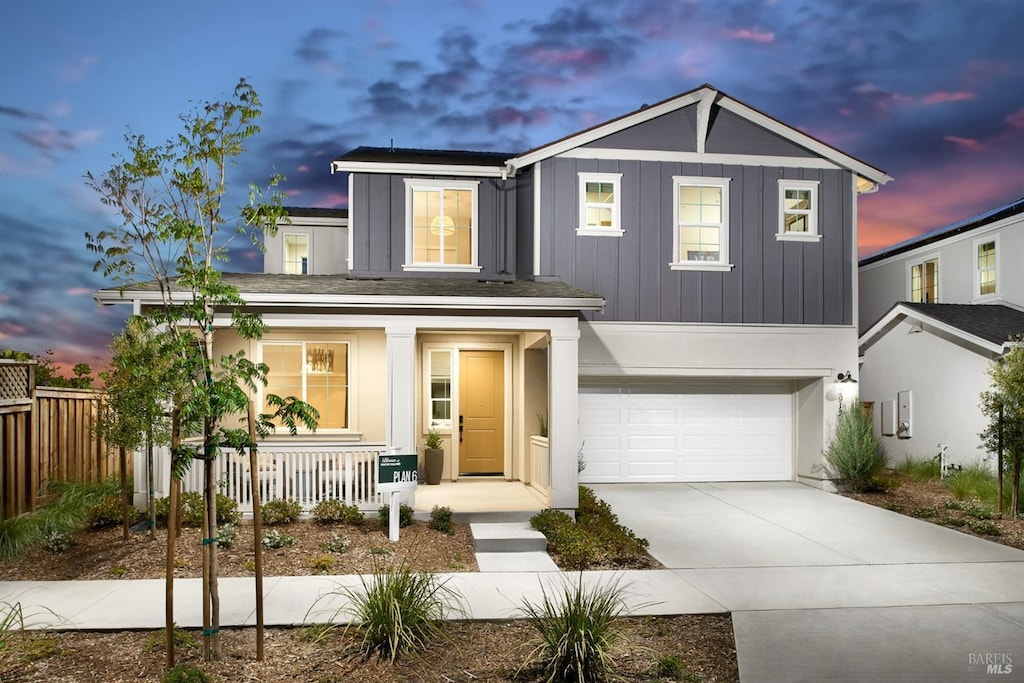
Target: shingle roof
(311, 212)
(402, 155)
(300, 289)
(994, 323)
(1013, 208)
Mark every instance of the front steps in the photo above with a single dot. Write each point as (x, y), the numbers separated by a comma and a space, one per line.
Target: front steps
(510, 547)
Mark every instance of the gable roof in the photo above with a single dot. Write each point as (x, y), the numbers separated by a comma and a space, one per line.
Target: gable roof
(382, 159)
(1014, 208)
(344, 291)
(986, 327)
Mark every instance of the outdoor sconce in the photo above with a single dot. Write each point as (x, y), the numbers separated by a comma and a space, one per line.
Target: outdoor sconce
(844, 382)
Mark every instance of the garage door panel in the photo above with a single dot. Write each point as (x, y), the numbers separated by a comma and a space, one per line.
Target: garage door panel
(662, 436)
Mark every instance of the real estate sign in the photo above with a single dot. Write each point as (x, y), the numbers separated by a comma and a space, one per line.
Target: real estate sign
(396, 472)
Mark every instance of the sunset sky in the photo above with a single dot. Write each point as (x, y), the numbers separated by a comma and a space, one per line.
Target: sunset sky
(931, 92)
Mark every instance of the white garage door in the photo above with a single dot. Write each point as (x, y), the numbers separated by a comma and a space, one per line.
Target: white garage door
(645, 434)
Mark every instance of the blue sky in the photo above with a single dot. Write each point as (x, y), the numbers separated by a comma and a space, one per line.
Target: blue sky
(930, 91)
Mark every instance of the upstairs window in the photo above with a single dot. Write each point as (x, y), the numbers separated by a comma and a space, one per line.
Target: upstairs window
(600, 204)
(316, 372)
(798, 210)
(701, 223)
(985, 268)
(296, 254)
(441, 225)
(924, 282)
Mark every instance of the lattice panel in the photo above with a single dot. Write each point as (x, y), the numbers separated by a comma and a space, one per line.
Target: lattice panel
(13, 382)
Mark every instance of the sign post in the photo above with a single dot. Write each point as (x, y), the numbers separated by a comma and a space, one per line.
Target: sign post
(396, 473)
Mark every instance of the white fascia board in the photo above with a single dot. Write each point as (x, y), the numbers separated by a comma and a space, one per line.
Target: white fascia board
(300, 221)
(419, 169)
(614, 126)
(360, 301)
(450, 323)
(900, 312)
(870, 172)
(699, 158)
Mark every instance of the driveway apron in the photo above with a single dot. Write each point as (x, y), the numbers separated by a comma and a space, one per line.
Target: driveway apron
(825, 588)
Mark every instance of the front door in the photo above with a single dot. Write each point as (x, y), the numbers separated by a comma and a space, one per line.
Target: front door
(481, 426)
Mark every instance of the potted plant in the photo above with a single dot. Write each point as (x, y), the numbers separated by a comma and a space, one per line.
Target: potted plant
(433, 457)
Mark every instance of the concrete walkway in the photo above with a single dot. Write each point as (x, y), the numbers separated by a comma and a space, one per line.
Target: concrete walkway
(821, 588)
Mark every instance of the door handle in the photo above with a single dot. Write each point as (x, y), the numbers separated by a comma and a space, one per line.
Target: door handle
(460, 429)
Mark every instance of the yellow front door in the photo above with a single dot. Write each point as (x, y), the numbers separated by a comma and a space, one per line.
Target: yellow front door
(481, 425)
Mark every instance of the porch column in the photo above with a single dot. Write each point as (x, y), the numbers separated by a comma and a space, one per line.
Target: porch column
(563, 430)
(401, 397)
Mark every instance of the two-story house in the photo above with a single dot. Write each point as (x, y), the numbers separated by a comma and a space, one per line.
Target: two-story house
(935, 311)
(672, 292)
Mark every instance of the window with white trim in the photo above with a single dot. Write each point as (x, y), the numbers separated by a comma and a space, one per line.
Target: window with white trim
(798, 210)
(924, 281)
(985, 267)
(439, 397)
(600, 204)
(700, 213)
(441, 225)
(316, 372)
(296, 254)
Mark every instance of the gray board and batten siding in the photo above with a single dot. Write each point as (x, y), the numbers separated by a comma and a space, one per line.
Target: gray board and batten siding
(378, 213)
(772, 282)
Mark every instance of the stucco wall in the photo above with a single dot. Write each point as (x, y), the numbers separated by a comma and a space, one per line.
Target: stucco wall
(945, 379)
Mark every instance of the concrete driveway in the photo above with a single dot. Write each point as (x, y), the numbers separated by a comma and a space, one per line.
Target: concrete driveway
(823, 588)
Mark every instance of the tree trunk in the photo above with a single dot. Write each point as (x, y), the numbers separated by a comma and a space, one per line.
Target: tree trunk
(1015, 493)
(257, 529)
(211, 616)
(150, 486)
(172, 521)
(123, 462)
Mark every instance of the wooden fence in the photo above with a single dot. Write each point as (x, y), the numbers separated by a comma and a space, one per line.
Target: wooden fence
(46, 434)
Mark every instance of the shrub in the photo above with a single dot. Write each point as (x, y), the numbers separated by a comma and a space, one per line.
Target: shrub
(192, 509)
(226, 535)
(109, 512)
(397, 610)
(670, 667)
(337, 544)
(441, 520)
(973, 481)
(984, 527)
(404, 516)
(186, 674)
(279, 511)
(333, 510)
(576, 630)
(854, 456)
(322, 564)
(919, 470)
(275, 539)
(58, 541)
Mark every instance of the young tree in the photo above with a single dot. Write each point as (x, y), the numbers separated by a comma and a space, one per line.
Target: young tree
(1003, 405)
(174, 229)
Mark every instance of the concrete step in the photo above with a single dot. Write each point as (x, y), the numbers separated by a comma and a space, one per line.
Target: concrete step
(516, 562)
(507, 537)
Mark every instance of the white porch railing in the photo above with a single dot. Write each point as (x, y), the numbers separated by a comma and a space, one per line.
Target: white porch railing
(540, 478)
(307, 473)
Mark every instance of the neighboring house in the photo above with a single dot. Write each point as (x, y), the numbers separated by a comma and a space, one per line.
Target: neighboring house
(935, 311)
(674, 290)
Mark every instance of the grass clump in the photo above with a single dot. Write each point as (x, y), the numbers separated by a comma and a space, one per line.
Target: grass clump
(109, 511)
(576, 630)
(280, 511)
(441, 520)
(404, 516)
(398, 610)
(183, 673)
(919, 470)
(854, 457)
(333, 511)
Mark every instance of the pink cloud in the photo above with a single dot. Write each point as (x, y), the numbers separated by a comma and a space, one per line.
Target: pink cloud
(1016, 119)
(10, 329)
(942, 97)
(334, 200)
(754, 35)
(292, 193)
(79, 291)
(965, 143)
(572, 57)
(303, 169)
